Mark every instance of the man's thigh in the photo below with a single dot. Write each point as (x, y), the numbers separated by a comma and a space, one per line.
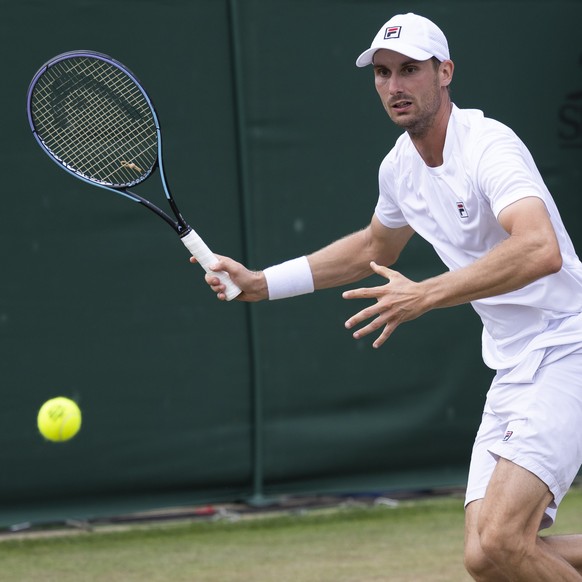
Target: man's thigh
(515, 501)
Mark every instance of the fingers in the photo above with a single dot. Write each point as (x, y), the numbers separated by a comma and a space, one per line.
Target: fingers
(362, 316)
(380, 319)
(382, 337)
(218, 266)
(216, 285)
(212, 280)
(372, 292)
(381, 270)
(379, 313)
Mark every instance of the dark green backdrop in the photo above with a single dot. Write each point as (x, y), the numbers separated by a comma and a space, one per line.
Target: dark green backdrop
(273, 139)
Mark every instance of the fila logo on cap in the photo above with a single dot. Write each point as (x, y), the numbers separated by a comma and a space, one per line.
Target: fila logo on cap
(392, 32)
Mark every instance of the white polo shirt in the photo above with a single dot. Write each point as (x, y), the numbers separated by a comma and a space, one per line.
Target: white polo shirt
(455, 207)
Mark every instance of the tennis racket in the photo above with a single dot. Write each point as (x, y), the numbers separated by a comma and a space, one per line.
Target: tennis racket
(91, 115)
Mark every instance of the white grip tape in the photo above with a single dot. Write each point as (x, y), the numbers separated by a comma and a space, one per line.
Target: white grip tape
(204, 256)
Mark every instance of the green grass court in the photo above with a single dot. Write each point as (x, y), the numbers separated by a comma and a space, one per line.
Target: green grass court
(415, 541)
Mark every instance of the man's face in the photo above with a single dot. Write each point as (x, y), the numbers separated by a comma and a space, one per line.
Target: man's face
(412, 92)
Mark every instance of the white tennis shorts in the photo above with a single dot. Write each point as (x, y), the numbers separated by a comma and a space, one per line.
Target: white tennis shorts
(537, 425)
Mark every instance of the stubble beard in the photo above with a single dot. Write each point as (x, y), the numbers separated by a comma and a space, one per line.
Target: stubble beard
(419, 125)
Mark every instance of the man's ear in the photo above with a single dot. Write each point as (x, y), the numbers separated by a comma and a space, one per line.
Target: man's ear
(446, 71)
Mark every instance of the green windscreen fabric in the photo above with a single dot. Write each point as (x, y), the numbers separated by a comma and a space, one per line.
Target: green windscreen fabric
(99, 301)
(272, 142)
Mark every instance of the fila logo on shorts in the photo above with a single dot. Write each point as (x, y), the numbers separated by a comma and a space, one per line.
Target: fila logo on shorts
(392, 32)
(507, 436)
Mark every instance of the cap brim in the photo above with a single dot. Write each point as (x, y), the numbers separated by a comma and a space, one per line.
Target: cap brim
(367, 57)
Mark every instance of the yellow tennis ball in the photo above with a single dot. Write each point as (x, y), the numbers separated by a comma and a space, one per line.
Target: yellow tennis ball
(59, 419)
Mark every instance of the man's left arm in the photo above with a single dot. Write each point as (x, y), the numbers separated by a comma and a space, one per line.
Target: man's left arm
(530, 252)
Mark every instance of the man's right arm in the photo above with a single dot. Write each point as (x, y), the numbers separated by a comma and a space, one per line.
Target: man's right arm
(343, 261)
(348, 259)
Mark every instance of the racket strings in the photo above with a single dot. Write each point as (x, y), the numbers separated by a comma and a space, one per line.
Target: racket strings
(94, 118)
(100, 128)
(97, 130)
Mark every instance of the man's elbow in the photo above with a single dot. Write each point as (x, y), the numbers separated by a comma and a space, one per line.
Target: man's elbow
(551, 261)
(555, 262)
(387, 259)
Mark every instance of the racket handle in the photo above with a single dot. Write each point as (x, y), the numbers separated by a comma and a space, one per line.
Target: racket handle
(205, 257)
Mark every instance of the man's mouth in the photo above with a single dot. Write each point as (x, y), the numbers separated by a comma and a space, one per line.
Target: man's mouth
(401, 105)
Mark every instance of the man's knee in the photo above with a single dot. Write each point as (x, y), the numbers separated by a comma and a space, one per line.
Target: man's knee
(476, 562)
(490, 546)
(489, 552)
(502, 546)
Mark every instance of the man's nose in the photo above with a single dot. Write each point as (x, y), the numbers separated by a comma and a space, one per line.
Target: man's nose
(395, 85)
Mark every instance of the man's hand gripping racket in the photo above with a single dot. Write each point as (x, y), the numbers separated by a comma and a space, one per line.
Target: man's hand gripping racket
(91, 115)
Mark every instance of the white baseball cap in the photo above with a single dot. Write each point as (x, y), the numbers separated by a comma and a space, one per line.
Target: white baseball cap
(408, 34)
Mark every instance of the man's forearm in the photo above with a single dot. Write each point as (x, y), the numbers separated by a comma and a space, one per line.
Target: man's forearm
(511, 265)
(343, 261)
(348, 259)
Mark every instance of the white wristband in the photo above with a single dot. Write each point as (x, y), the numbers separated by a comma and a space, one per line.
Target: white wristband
(289, 279)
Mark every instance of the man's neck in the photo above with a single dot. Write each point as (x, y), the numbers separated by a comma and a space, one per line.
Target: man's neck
(431, 143)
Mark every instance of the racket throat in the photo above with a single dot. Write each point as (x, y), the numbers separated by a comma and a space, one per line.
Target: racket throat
(182, 226)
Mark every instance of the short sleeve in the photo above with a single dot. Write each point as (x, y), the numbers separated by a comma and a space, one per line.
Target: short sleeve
(506, 171)
(387, 210)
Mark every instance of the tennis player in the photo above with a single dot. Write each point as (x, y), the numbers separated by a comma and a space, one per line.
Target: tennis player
(470, 187)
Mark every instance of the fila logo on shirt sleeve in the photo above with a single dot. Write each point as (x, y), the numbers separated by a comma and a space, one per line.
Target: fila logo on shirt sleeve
(462, 210)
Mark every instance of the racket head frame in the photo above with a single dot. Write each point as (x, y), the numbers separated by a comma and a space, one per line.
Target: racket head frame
(179, 225)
